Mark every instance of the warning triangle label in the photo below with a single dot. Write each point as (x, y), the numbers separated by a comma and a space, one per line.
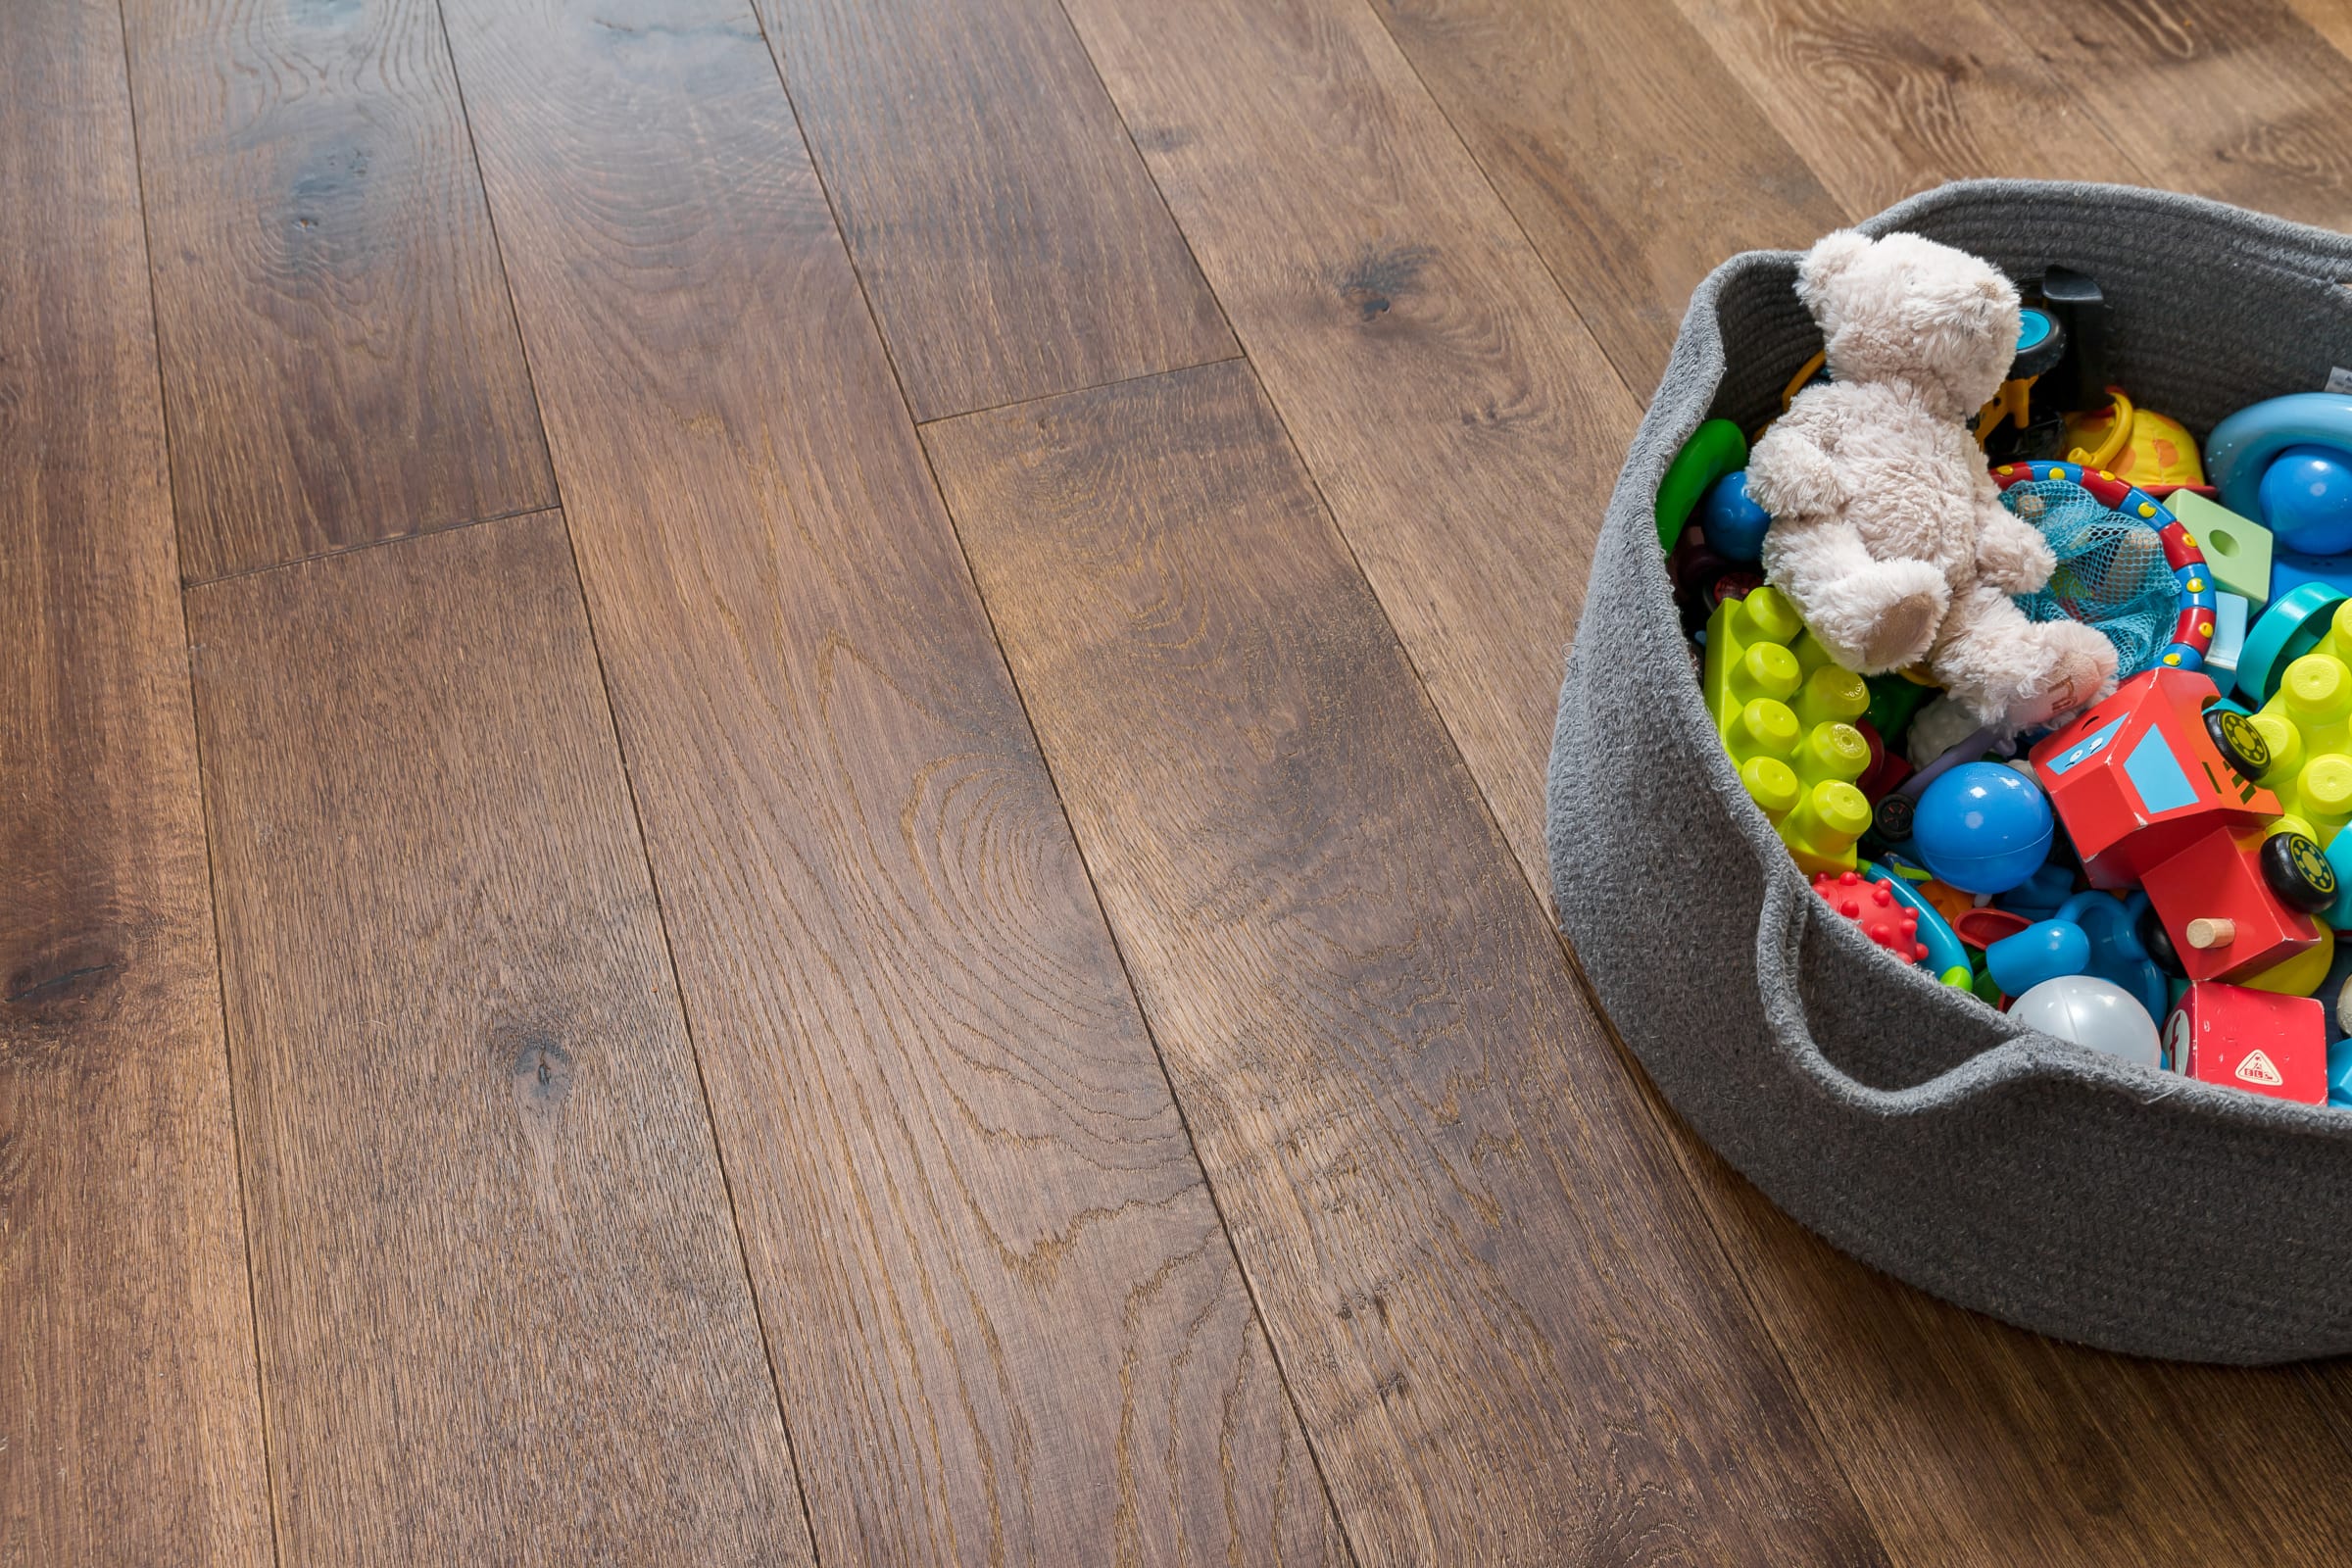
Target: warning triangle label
(2257, 1069)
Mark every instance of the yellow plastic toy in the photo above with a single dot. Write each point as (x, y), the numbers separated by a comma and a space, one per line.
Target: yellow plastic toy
(1786, 715)
(2137, 445)
(2308, 726)
(2300, 975)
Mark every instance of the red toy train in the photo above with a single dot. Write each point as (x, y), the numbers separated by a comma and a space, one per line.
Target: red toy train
(2156, 787)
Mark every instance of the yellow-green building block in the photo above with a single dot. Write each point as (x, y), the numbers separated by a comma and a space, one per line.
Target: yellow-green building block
(2308, 724)
(1821, 832)
(1787, 717)
(2237, 550)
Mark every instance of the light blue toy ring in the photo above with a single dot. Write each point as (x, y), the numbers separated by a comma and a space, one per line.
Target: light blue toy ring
(1947, 958)
(2291, 628)
(2244, 444)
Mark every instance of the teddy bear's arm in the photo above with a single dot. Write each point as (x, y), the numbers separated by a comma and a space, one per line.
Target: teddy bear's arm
(2011, 552)
(1790, 474)
(1873, 615)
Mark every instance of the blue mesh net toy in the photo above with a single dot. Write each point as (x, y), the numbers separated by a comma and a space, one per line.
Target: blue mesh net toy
(2110, 574)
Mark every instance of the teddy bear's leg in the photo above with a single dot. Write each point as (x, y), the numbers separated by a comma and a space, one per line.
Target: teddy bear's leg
(1873, 615)
(2015, 672)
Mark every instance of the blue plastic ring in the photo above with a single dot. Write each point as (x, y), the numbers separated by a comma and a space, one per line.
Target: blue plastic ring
(1946, 950)
(2291, 628)
(2244, 444)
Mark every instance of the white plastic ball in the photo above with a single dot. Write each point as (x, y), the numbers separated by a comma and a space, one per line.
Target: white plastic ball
(2093, 1013)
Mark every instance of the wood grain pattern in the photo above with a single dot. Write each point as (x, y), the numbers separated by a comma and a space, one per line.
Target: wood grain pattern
(1008, 1325)
(504, 1316)
(1439, 387)
(130, 1422)
(340, 363)
(1624, 147)
(2239, 99)
(1510, 1334)
(1887, 97)
(1006, 234)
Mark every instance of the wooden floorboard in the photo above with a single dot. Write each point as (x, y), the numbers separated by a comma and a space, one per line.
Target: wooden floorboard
(2331, 19)
(1005, 229)
(1438, 385)
(1510, 1331)
(2237, 99)
(131, 1423)
(504, 1314)
(1629, 152)
(1008, 1322)
(339, 361)
(1887, 97)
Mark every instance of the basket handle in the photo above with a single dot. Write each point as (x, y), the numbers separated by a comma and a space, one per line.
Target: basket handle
(1991, 1048)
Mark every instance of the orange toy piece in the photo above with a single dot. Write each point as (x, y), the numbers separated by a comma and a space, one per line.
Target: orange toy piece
(1949, 901)
(1872, 906)
(2137, 445)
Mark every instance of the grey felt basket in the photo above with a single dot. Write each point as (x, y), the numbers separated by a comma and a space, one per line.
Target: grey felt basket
(1912, 1126)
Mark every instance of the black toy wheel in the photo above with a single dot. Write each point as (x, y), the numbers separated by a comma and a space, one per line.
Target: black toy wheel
(2241, 744)
(2159, 944)
(2298, 872)
(1891, 818)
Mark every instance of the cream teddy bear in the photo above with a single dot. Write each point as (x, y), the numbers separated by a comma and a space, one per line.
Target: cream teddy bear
(1888, 533)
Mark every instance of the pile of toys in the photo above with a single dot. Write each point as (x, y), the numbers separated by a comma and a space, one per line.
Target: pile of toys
(2114, 802)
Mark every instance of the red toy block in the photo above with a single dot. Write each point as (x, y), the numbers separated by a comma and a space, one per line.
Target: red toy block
(2250, 1040)
(1872, 906)
(2217, 880)
(1887, 769)
(2137, 778)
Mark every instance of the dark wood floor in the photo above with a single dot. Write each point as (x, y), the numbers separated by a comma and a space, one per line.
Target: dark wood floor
(771, 789)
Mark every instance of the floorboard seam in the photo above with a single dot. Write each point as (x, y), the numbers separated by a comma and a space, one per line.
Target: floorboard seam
(193, 583)
(1097, 386)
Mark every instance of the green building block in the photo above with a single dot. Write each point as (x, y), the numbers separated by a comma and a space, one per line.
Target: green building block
(1895, 700)
(2237, 549)
(1786, 715)
(1715, 449)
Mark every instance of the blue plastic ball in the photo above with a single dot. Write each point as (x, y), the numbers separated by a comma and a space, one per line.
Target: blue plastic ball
(2306, 500)
(1734, 526)
(1983, 828)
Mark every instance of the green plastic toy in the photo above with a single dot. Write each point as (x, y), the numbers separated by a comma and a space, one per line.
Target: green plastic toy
(1715, 449)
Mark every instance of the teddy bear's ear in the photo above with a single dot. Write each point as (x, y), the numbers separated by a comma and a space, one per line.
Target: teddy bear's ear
(1830, 256)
